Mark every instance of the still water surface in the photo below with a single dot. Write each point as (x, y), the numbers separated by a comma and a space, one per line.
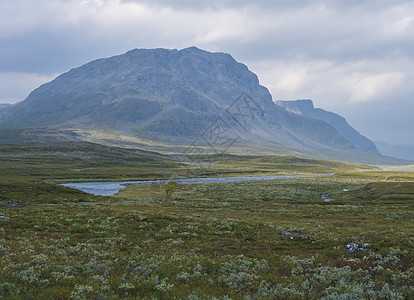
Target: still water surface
(112, 188)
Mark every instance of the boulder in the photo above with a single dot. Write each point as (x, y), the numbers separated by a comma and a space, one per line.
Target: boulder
(355, 248)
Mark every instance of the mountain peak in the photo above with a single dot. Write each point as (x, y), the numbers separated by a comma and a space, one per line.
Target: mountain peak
(175, 96)
(142, 51)
(193, 49)
(306, 109)
(165, 51)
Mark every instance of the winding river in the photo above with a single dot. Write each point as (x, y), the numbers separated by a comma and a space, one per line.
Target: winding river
(112, 188)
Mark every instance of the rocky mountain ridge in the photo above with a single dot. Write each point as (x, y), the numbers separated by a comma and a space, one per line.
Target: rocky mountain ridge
(307, 109)
(176, 96)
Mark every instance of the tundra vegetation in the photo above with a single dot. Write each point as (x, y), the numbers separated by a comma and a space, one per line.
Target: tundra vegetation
(274, 239)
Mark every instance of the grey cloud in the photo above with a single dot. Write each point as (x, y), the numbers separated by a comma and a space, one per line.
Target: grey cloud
(390, 122)
(16, 86)
(219, 4)
(340, 30)
(270, 4)
(49, 37)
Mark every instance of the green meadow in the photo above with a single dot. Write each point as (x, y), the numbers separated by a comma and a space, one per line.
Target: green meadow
(274, 239)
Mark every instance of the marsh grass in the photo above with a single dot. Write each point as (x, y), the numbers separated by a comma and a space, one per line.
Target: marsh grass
(221, 240)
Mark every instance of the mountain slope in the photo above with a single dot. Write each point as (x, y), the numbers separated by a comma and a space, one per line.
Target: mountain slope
(176, 97)
(143, 89)
(164, 94)
(306, 108)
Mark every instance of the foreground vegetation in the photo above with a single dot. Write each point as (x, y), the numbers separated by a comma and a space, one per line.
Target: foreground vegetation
(251, 240)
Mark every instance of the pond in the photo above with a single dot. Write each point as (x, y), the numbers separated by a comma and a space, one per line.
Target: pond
(112, 188)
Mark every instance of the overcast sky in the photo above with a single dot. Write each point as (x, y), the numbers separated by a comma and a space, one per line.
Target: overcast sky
(355, 58)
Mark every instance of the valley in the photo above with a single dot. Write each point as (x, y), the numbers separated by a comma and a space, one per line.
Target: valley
(206, 150)
(332, 220)
(268, 239)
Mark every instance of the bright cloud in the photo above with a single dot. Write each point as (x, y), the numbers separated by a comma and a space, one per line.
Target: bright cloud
(370, 87)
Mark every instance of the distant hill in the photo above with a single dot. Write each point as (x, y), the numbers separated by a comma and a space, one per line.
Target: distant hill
(307, 109)
(179, 96)
(400, 151)
(4, 105)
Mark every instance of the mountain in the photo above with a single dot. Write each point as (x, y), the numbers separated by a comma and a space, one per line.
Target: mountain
(166, 93)
(176, 97)
(4, 105)
(400, 151)
(307, 109)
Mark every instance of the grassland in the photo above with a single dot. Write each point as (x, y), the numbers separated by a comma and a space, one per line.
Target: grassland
(251, 240)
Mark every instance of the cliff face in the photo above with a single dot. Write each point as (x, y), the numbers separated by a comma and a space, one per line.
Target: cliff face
(307, 109)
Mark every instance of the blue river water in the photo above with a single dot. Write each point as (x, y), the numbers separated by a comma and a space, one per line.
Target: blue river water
(112, 188)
